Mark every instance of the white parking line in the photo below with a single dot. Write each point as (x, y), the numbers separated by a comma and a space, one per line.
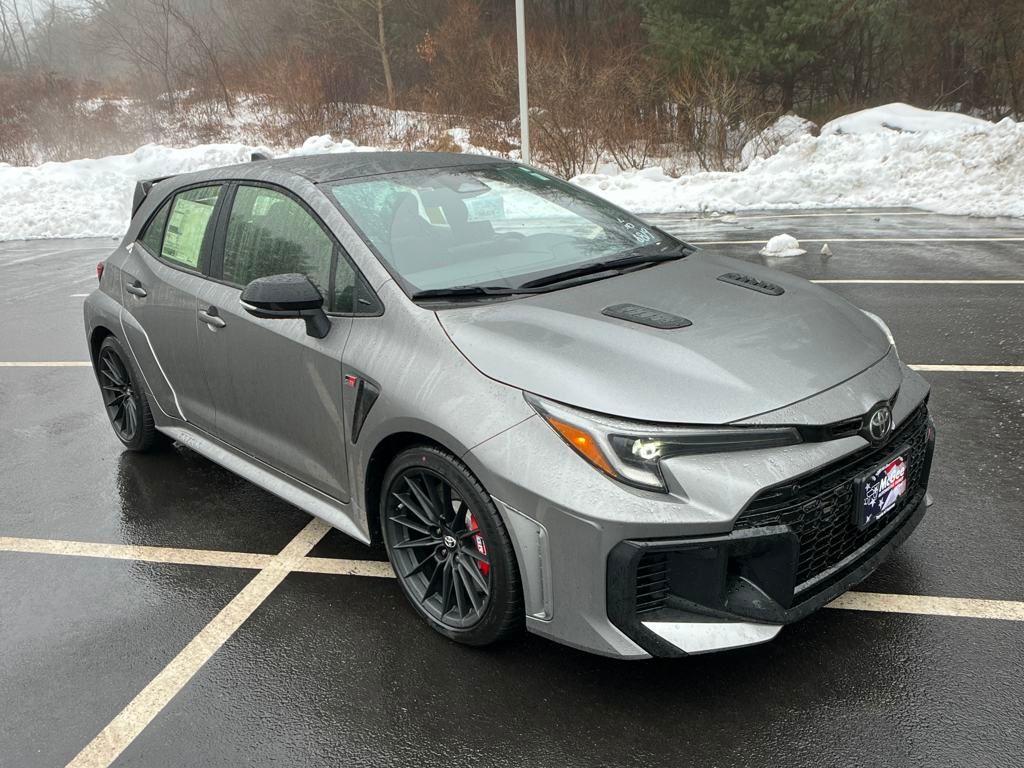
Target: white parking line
(823, 215)
(870, 240)
(920, 282)
(969, 368)
(46, 364)
(915, 366)
(130, 722)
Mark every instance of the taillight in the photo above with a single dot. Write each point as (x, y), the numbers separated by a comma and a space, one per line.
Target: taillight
(99, 270)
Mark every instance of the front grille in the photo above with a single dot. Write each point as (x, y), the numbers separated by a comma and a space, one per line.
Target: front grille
(651, 582)
(818, 507)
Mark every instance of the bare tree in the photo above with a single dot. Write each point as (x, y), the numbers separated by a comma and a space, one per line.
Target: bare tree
(15, 50)
(143, 34)
(201, 31)
(366, 20)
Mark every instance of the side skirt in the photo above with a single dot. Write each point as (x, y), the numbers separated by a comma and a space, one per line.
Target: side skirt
(330, 510)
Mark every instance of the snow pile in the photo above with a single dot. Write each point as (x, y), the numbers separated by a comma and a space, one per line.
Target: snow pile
(92, 198)
(902, 117)
(787, 130)
(937, 161)
(971, 172)
(782, 245)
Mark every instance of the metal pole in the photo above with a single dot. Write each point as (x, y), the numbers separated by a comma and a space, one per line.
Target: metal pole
(524, 109)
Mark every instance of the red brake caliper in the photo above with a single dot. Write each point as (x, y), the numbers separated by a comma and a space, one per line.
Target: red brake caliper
(478, 540)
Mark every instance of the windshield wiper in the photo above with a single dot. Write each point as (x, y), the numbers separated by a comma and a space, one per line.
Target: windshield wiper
(467, 290)
(611, 265)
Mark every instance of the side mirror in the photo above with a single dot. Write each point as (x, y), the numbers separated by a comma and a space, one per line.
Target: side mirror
(287, 296)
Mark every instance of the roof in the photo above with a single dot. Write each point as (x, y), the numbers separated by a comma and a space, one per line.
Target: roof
(350, 165)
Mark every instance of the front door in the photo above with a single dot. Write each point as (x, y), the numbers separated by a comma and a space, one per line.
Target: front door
(277, 390)
(159, 285)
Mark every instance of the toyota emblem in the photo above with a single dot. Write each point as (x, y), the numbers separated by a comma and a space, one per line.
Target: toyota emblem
(880, 423)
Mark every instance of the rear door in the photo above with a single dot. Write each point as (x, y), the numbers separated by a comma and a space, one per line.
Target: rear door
(160, 284)
(277, 390)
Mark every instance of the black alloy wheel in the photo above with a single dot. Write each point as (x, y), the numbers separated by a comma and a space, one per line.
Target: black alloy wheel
(449, 548)
(119, 397)
(124, 399)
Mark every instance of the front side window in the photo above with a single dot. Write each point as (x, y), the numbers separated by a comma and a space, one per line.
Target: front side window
(487, 225)
(190, 213)
(269, 233)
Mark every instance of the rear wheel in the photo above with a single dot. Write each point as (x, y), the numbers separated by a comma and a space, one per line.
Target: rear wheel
(449, 547)
(124, 399)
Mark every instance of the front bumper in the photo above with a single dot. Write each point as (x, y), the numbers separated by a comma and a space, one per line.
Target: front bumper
(729, 591)
(690, 595)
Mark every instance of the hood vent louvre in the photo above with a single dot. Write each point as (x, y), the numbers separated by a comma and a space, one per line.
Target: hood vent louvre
(746, 281)
(654, 318)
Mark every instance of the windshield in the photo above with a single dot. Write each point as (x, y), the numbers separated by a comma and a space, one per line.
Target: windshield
(500, 225)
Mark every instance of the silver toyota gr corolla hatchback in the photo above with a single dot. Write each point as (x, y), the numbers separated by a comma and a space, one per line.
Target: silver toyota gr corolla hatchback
(552, 414)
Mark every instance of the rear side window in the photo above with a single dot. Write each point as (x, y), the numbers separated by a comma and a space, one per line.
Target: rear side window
(269, 233)
(189, 216)
(153, 237)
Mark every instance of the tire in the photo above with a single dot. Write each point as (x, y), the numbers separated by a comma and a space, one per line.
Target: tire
(125, 400)
(443, 579)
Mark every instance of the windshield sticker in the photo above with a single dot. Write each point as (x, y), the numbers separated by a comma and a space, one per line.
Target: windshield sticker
(641, 234)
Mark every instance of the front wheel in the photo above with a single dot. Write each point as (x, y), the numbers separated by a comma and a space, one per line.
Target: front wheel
(449, 548)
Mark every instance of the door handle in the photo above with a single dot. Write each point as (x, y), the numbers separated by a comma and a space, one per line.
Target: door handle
(136, 289)
(211, 317)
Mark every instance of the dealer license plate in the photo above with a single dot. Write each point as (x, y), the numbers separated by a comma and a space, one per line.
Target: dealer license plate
(878, 492)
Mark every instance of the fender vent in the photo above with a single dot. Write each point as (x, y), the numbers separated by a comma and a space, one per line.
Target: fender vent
(654, 318)
(746, 281)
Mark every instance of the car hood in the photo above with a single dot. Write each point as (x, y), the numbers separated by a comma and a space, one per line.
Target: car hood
(745, 353)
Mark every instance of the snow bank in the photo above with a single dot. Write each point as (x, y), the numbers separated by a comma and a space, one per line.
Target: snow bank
(972, 172)
(787, 130)
(902, 117)
(92, 198)
(976, 169)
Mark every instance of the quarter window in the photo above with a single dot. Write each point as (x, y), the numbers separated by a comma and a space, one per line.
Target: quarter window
(271, 234)
(153, 237)
(186, 225)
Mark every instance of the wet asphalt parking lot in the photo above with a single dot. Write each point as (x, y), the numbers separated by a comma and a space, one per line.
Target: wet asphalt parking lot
(158, 611)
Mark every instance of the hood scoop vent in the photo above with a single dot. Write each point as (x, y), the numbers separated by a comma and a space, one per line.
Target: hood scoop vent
(746, 281)
(653, 318)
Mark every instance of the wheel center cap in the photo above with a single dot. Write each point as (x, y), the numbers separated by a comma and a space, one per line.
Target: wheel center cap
(449, 541)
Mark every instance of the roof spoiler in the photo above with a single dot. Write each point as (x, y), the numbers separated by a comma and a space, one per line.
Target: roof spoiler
(143, 186)
(142, 189)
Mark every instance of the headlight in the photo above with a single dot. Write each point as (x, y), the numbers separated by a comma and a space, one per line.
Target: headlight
(631, 451)
(881, 324)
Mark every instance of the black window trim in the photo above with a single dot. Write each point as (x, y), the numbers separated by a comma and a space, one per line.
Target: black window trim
(215, 272)
(205, 251)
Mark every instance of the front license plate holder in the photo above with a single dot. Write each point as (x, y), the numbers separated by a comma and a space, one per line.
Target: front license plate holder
(878, 492)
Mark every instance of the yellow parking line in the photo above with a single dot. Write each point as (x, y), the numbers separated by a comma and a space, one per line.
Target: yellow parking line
(130, 722)
(335, 567)
(860, 601)
(1008, 610)
(148, 554)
